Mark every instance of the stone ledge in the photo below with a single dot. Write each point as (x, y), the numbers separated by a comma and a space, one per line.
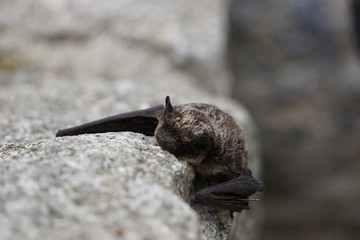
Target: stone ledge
(98, 186)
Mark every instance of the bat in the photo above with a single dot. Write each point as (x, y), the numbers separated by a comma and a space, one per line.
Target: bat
(201, 134)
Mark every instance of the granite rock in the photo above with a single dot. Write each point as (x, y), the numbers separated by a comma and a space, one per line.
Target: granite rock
(29, 149)
(118, 39)
(108, 186)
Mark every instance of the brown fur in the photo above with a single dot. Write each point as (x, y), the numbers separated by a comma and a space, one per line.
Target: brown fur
(183, 123)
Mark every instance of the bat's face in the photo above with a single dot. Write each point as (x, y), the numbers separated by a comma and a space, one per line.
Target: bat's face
(167, 137)
(183, 133)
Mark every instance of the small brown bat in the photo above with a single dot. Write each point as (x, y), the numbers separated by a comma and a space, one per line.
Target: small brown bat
(201, 134)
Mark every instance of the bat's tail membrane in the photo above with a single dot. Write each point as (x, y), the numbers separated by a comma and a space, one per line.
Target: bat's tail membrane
(142, 121)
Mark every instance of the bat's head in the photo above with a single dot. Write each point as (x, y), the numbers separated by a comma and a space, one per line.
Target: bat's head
(184, 132)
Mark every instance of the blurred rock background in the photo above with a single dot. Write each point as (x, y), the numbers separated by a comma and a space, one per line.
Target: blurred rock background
(112, 39)
(297, 69)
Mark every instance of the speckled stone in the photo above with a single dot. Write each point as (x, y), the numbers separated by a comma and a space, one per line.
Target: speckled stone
(34, 107)
(95, 186)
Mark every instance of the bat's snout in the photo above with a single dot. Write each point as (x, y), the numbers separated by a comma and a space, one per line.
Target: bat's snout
(167, 141)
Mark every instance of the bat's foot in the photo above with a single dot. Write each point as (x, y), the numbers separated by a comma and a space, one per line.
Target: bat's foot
(232, 195)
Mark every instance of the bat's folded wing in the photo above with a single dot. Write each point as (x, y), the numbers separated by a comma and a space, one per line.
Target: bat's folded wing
(141, 121)
(231, 195)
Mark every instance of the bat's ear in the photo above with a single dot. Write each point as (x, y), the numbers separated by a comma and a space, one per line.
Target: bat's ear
(168, 106)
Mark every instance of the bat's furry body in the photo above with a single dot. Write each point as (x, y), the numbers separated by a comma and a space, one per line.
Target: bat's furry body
(228, 154)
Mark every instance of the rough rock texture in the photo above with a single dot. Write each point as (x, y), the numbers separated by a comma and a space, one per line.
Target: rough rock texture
(71, 62)
(298, 71)
(103, 186)
(113, 39)
(41, 108)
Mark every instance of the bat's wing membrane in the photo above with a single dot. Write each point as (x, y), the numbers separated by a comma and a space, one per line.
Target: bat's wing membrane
(231, 195)
(141, 121)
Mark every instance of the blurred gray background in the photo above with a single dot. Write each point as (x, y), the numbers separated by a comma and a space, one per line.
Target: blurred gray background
(294, 64)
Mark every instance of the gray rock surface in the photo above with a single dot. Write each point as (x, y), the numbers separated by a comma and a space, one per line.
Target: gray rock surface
(102, 186)
(72, 62)
(41, 108)
(118, 38)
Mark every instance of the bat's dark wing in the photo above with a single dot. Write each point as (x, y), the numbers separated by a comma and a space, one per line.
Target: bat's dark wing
(141, 121)
(231, 195)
